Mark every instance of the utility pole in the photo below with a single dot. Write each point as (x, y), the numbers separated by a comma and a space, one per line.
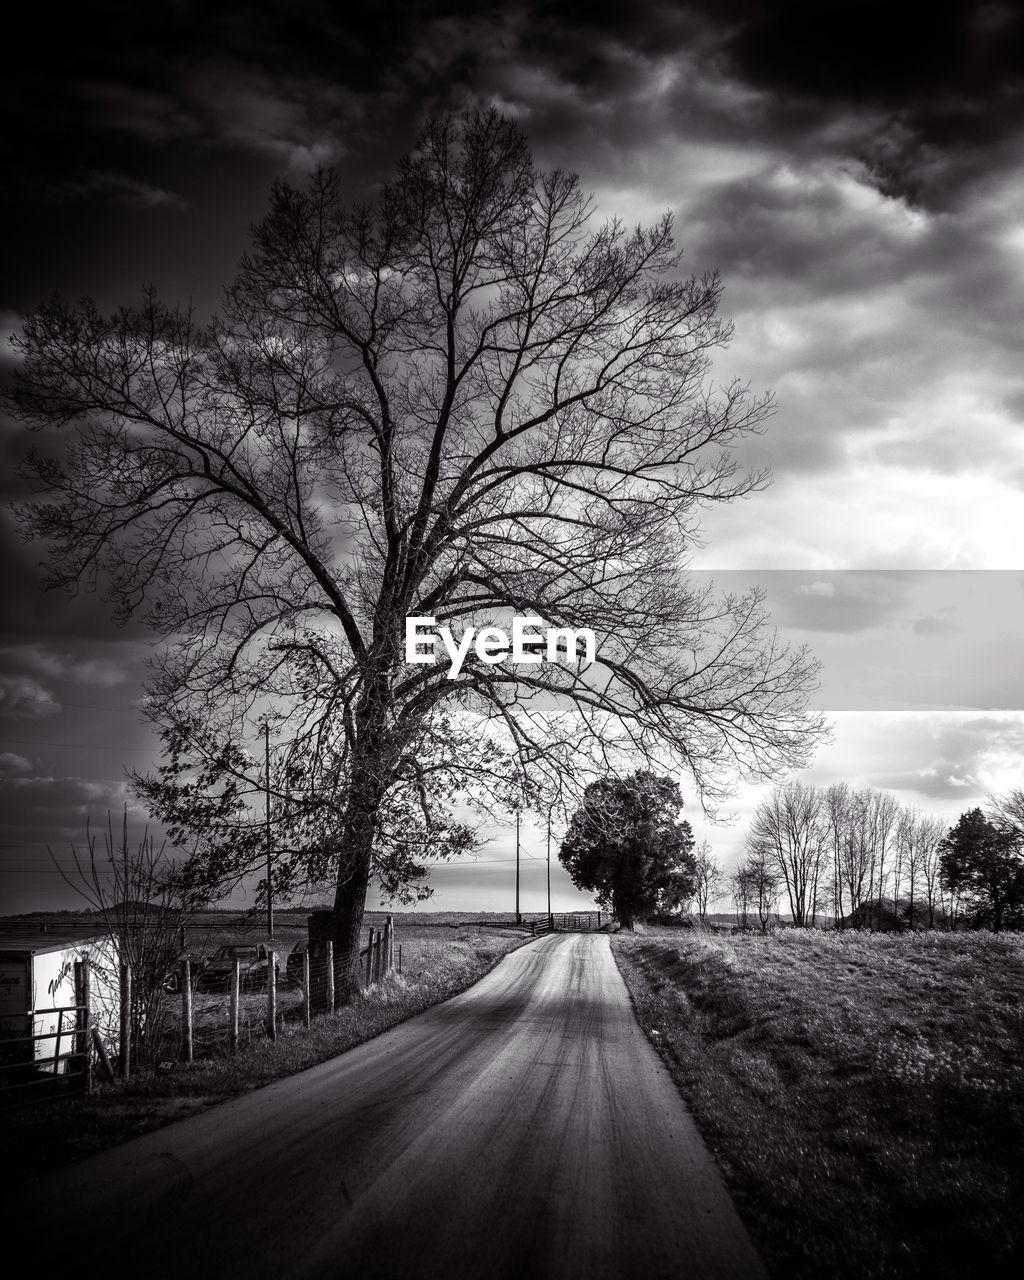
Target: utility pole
(519, 918)
(549, 868)
(270, 854)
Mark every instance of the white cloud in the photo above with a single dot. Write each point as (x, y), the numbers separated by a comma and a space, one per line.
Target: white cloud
(86, 670)
(942, 762)
(11, 764)
(822, 590)
(887, 330)
(870, 517)
(22, 697)
(11, 323)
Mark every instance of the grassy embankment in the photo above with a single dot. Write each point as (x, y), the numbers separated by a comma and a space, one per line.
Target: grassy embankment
(441, 957)
(864, 1094)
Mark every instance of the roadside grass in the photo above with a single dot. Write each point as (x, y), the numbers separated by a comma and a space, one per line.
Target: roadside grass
(864, 1094)
(439, 960)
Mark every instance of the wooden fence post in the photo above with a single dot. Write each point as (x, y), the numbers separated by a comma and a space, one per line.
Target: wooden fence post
(101, 1051)
(186, 1006)
(377, 949)
(236, 982)
(330, 976)
(389, 944)
(399, 957)
(369, 960)
(307, 1007)
(82, 989)
(124, 1057)
(60, 1032)
(271, 995)
(320, 926)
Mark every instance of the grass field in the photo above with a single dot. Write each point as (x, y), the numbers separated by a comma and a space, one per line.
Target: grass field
(432, 944)
(442, 955)
(864, 1094)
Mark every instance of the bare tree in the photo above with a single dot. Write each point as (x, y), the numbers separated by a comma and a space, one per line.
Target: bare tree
(837, 812)
(1007, 812)
(863, 840)
(742, 895)
(760, 886)
(918, 837)
(709, 879)
(788, 831)
(855, 853)
(882, 813)
(145, 909)
(462, 400)
(931, 870)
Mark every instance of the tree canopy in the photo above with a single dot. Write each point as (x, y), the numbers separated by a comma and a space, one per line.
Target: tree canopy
(627, 845)
(463, 399)
(980, 861)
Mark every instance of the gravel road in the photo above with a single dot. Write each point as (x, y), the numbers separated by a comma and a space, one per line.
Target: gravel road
(524, 1129)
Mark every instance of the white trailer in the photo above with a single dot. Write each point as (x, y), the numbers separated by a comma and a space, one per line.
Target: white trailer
(37, 991)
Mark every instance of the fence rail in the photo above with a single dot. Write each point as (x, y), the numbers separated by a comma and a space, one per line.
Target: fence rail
(201, 1019)
(204, 1017)
(570, 922)
(581, 921)
(27, 1076)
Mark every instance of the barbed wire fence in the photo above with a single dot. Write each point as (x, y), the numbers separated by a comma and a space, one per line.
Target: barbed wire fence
(220, 1015)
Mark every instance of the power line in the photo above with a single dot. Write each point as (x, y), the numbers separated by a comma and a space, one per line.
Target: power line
(59, 703)
(77, 746)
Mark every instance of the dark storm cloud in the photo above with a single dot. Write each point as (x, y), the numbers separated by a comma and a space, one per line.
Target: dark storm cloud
(949, 72)
(34, 615)
(13, 765)
(294, 122)
(98, 670)
(44, 810)
(21, 697)
(929, 76)
(849, 167)
(118, 187)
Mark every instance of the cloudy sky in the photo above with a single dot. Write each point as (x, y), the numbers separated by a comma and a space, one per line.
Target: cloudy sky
(854, 170)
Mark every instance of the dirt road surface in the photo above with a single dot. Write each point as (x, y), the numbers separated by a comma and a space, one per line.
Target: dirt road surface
(524, 1129)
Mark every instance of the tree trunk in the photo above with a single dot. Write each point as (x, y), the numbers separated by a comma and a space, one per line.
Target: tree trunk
(347, 922)
(369, 781)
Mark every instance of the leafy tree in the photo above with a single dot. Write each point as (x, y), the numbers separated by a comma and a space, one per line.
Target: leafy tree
(627, 845)
(980, 862)
(216, 797)
(461, 399)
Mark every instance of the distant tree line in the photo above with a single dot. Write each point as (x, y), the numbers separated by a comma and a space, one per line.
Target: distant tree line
(861, 858)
